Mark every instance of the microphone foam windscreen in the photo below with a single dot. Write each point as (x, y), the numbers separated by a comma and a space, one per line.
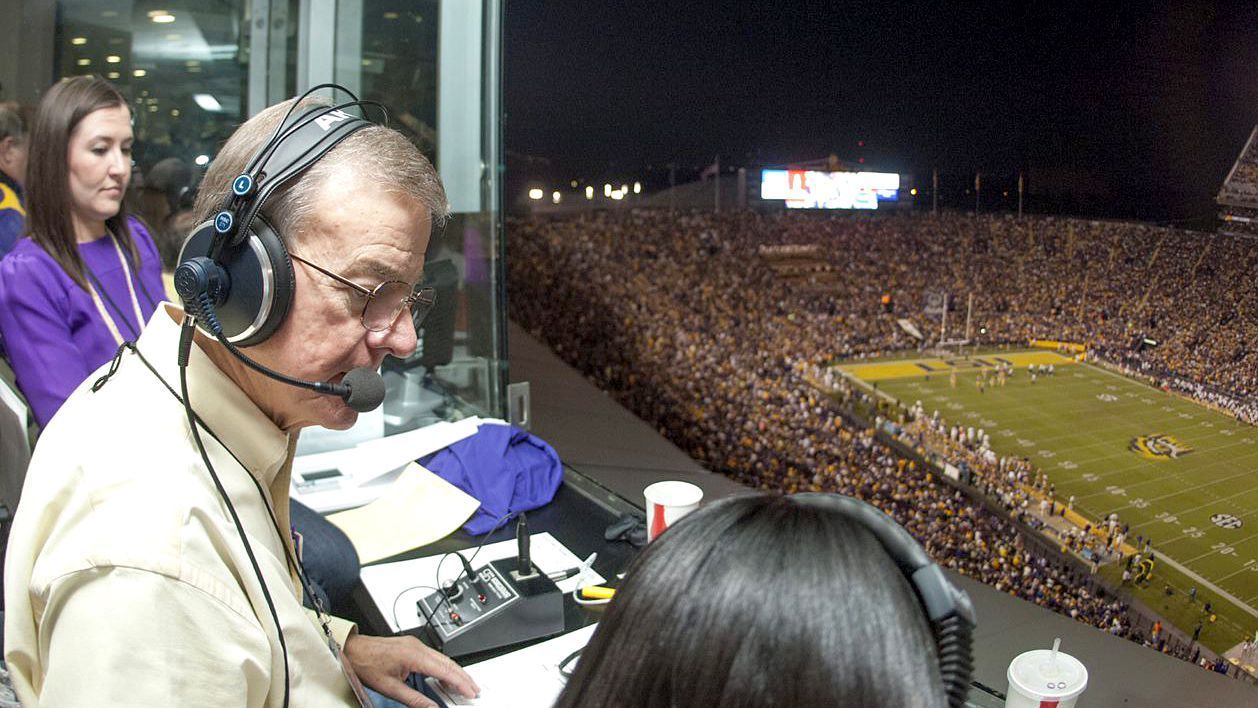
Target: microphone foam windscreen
(366, 389)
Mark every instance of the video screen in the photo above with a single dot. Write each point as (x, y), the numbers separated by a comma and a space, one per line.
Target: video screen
(807, 189)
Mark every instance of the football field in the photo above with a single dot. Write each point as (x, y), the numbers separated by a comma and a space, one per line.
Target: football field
(1181, 474)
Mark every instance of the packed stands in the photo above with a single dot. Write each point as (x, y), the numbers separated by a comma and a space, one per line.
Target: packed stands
(1238, 197)
(686, 321)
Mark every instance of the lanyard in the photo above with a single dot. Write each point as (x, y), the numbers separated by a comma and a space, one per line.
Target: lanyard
(96, 290)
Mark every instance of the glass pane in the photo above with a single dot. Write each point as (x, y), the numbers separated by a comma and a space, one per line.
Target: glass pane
(413, 58)
(182, 68)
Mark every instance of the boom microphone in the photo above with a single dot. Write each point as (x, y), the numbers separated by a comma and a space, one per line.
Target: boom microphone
(366, 389)
(199, 280)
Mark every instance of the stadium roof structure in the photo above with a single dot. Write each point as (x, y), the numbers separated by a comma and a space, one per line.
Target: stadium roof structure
(824, 164)
(1240, 188)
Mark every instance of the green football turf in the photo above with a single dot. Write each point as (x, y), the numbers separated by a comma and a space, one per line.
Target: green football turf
(1078, 426)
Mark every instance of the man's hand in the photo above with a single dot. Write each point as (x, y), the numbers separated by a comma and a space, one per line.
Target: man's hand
(384, 663)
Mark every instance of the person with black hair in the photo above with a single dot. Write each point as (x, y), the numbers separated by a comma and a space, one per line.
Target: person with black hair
(761, 600)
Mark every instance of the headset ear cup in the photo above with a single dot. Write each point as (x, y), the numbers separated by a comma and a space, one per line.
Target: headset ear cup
(277, 279)
(259, 289)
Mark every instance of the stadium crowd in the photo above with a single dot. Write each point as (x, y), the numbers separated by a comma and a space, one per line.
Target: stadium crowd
(1242, 184)
(682, 320)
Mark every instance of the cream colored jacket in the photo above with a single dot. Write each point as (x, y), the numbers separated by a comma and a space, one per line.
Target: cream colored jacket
(126, 583)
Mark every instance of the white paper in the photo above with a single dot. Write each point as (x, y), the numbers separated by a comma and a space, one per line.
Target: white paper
(373, 458)
(339, 493)
(367, 470)
(528, 678)
(418, 509)
(396, 587)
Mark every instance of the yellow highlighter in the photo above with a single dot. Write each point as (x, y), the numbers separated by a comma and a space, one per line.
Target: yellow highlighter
(597, 592)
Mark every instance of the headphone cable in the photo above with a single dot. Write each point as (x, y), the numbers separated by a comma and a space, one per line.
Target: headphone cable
(185, 347)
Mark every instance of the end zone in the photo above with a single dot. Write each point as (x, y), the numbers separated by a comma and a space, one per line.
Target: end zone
(916, 368)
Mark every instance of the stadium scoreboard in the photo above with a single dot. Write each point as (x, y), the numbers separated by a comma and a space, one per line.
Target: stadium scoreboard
(810, 189)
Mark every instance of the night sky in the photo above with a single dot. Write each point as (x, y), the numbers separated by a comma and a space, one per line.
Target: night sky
(1131, 111)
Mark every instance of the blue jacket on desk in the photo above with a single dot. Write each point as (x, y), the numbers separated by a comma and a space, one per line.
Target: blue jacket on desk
(504, 468)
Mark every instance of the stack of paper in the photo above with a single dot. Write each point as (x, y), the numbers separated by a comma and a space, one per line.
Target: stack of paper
(419, 509)
(343, 479)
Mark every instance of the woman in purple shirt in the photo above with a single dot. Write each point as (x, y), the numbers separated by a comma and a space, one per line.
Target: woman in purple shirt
(88, 277)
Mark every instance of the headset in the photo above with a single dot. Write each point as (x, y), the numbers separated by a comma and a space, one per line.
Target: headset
(947, 606)
(235, 275)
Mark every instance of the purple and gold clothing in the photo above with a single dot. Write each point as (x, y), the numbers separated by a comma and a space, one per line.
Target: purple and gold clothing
(12, 213)
(53, 332)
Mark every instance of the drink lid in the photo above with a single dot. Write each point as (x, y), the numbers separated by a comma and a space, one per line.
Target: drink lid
(1034, 674)
(673, 493)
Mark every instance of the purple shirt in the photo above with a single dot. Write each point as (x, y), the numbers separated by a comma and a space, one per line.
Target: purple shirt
(53, 334)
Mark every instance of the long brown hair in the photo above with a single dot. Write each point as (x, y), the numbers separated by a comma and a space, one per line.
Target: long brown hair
(48, 200)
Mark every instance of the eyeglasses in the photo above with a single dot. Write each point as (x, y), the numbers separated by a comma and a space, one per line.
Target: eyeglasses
(386, 301)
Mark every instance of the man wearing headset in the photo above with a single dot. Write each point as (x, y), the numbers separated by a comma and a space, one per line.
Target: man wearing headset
(129, 579)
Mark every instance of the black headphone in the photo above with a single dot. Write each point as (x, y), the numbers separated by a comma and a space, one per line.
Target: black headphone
(235, 275)
(236, 259)
(947, 606)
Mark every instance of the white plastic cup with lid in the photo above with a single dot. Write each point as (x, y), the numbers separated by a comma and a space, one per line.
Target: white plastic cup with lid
(1045, 678)
(666, 502)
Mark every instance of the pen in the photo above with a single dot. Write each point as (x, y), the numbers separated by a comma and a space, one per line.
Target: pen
(565, 574)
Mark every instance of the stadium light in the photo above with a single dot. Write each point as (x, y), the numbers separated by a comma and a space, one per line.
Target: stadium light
(555, 197)
(637, 188)
(536, 194)
(589, 192)
(207, 102)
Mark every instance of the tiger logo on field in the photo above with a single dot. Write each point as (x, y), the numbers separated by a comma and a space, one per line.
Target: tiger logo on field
(1158, 447)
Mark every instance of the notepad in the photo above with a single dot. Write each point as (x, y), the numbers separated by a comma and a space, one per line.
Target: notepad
(528, 678)
(414, 511)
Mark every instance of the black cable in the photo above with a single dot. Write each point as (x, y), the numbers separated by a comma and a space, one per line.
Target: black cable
(396, 623)
(954, 638)
(202, 307)
(281, 134)
(269, 149)
(205, 310)
(135, 334)
(185, 346)
(437, 576)
(140, 281)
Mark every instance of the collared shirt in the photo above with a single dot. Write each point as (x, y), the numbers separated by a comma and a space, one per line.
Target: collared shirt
(127, 583)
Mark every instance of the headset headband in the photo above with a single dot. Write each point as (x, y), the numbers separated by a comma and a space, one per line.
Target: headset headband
(245, 268)
(297, 144)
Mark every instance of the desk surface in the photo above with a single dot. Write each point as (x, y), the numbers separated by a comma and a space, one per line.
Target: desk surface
(576, 518)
